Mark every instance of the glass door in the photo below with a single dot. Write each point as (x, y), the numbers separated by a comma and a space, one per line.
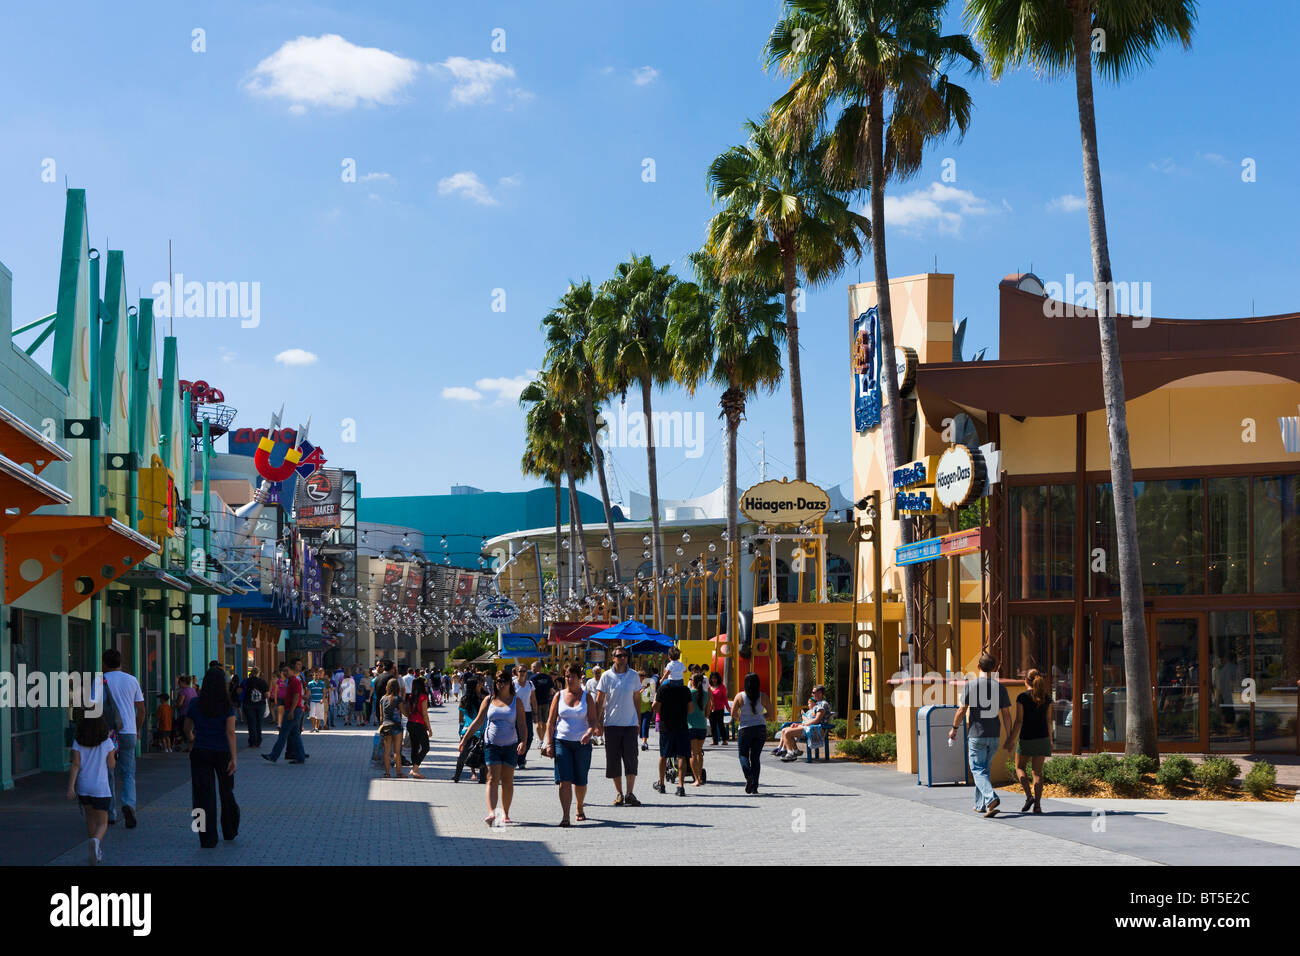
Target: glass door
(1110, 691)
(1179, 679)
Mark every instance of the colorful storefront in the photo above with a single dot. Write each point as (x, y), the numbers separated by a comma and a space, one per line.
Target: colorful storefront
(1218, 510)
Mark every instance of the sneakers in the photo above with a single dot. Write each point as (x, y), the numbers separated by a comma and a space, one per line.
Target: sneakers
(130, 817)
(789, 758)
(681, 791)
(657, 787)
(631, 801)
(268, 758)
(645, 747)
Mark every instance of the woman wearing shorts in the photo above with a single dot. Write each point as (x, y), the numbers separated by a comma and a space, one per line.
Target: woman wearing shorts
(391, 710)
(697, 726)
(569, 730)
(504, 741)
(1032, 737)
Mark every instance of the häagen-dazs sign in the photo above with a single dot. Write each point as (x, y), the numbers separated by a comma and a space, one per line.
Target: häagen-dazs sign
(784, 502)
(959, 477)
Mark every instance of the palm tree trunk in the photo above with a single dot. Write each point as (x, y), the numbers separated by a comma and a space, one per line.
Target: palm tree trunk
(653, 469)
(1140, 734)
(893, 410)
(790, 278)
(573, 540)
(604, 500)
(558, 499)
(733, 408)
(584, 567)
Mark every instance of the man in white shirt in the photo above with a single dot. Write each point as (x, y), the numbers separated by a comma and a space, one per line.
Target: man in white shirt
(524, 691)
(348, 697)
(617, 717)
(129, 702)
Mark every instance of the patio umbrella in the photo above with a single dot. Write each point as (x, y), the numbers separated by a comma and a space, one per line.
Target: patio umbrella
(633, 631)
(649, 646)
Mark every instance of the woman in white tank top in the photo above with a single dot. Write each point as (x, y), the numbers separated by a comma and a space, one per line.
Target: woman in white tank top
(569, 729)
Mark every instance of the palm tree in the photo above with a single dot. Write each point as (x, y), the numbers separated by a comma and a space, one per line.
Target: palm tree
(627, 346)
(729, 334)
(780, 216)
(883, 63)
(569, 366)
(1056, 37)
(542, 459)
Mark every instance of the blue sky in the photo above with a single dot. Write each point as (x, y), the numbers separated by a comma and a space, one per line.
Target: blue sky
(480, 170)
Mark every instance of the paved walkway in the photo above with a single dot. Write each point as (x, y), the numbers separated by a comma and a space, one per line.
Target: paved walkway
(336, 810)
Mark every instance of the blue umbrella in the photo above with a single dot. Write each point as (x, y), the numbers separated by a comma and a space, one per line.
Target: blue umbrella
(649, 646)
(633, 631)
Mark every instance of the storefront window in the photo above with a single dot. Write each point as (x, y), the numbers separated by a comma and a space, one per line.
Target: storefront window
(1276, 667)
(1277, 534)
(1062, 506)
(1229, 664)
(1171, 537)
(1042, 542)
(1229, 559)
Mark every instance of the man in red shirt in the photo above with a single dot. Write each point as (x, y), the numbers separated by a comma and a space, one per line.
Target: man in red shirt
(290, 732)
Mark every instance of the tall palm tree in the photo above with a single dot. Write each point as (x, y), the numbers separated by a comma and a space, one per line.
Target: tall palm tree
(780, 217)
(627, 346)
(727, 333)
(1055, 37)
(883, 64)
(569, 366)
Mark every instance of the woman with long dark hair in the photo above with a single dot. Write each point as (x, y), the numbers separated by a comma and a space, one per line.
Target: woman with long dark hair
(697, 726)
(417, 725)
(749, 715)
(1031, 735)
(391, 709)
(504, 740)
(717, 708)
(209, 723)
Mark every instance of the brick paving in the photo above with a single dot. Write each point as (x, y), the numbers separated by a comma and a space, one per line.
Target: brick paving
(337, 810)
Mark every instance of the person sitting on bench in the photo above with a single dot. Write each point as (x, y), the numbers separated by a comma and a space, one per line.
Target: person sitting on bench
(818, 713)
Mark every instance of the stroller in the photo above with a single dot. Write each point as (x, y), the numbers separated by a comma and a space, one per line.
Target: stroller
(435, 697)
(472, 757)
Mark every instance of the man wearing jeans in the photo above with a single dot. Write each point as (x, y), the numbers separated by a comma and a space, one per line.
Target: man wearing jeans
(290, 729)
(129, 701)
(986, 701)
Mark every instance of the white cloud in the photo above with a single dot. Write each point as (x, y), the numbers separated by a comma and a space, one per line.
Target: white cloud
(377, 177)
(459, 393)
(328, 71)
(466, 184)
(1218, 159)
(477, 80)
(1165, 165)
(296, 357)
(510, 182)
(938, 205)
(644, 75)
(1067, 203)
(227, 356)
(507, 389)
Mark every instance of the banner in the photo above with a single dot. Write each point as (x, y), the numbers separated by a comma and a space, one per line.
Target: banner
(414, 585)
(464, 589)
(318, 498)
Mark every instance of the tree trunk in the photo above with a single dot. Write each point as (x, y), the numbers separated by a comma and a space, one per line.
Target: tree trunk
(733, 407)
(584, 570)
(1140, 734)
(604, 500)
(892, 413)
(791, 280)
(558, 577)
(653, 470)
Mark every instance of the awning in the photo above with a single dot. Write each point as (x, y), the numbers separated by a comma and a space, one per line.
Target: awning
(272, 610)
(147, 577)
(25, 445)
(90, 550)
(827, 612)
(572, 632)
(632, 630)
(24, 492)
(200, 584)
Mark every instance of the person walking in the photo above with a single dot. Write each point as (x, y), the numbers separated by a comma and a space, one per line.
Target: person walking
(524, 691)
(749, 717)
(348, 698)
(94, 755)
(290, 733)
(503, 743)
(128, 702)
(989, 707)
(391, 710)
(717, 708)
(318, 689)
(645, 703)
(697, 726)
(1031, 736)
(570, 725)
(417, 724)
(209, 724)
(617, 719)
(255, 691)
(543, 690)
(363, 700)
(673, 704)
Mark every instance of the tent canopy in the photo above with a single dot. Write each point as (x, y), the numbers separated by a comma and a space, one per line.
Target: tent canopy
(649, 646)
(633, 631)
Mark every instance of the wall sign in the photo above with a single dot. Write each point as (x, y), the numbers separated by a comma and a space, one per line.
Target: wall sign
(919, 472)
(959, 477)
(917, 552)
(905, 362)
(918, 501)
(784, 502)
(944, 546)
(518, 645)
(866, 370)
(499, 612)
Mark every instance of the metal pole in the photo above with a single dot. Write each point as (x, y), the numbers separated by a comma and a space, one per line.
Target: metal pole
(207, 539)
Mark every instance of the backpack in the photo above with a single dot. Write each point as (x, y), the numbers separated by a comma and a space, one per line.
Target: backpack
(111, 714)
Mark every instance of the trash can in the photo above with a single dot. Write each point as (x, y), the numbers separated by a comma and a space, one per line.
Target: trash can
(938, 762)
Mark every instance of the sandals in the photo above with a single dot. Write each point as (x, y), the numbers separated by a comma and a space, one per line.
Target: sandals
(582, 817)
(565, 823)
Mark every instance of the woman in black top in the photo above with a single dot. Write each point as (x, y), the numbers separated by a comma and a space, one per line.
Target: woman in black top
(1032, 736)
(209, 722)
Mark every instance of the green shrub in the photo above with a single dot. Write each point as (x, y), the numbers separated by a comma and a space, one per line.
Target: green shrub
(1174, 770)
(1216, 772)
(1098, 765)
(875, 748)
(772, 727)
(1011, 770)
(1077, 780)
(1056, 769)
(1262, 776)
(840, 728)
(1141, 763)
(1123, 776)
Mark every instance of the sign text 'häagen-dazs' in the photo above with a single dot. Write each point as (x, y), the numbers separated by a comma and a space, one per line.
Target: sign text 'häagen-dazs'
(784, 502)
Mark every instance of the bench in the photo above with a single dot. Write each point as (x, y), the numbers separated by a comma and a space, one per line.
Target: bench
(817, 738)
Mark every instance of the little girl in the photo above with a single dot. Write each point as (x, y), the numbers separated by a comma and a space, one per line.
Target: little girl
(94, 754)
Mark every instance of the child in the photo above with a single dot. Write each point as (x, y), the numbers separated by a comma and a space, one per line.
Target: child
(94, 754)
(675, 670)
(162, 727)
